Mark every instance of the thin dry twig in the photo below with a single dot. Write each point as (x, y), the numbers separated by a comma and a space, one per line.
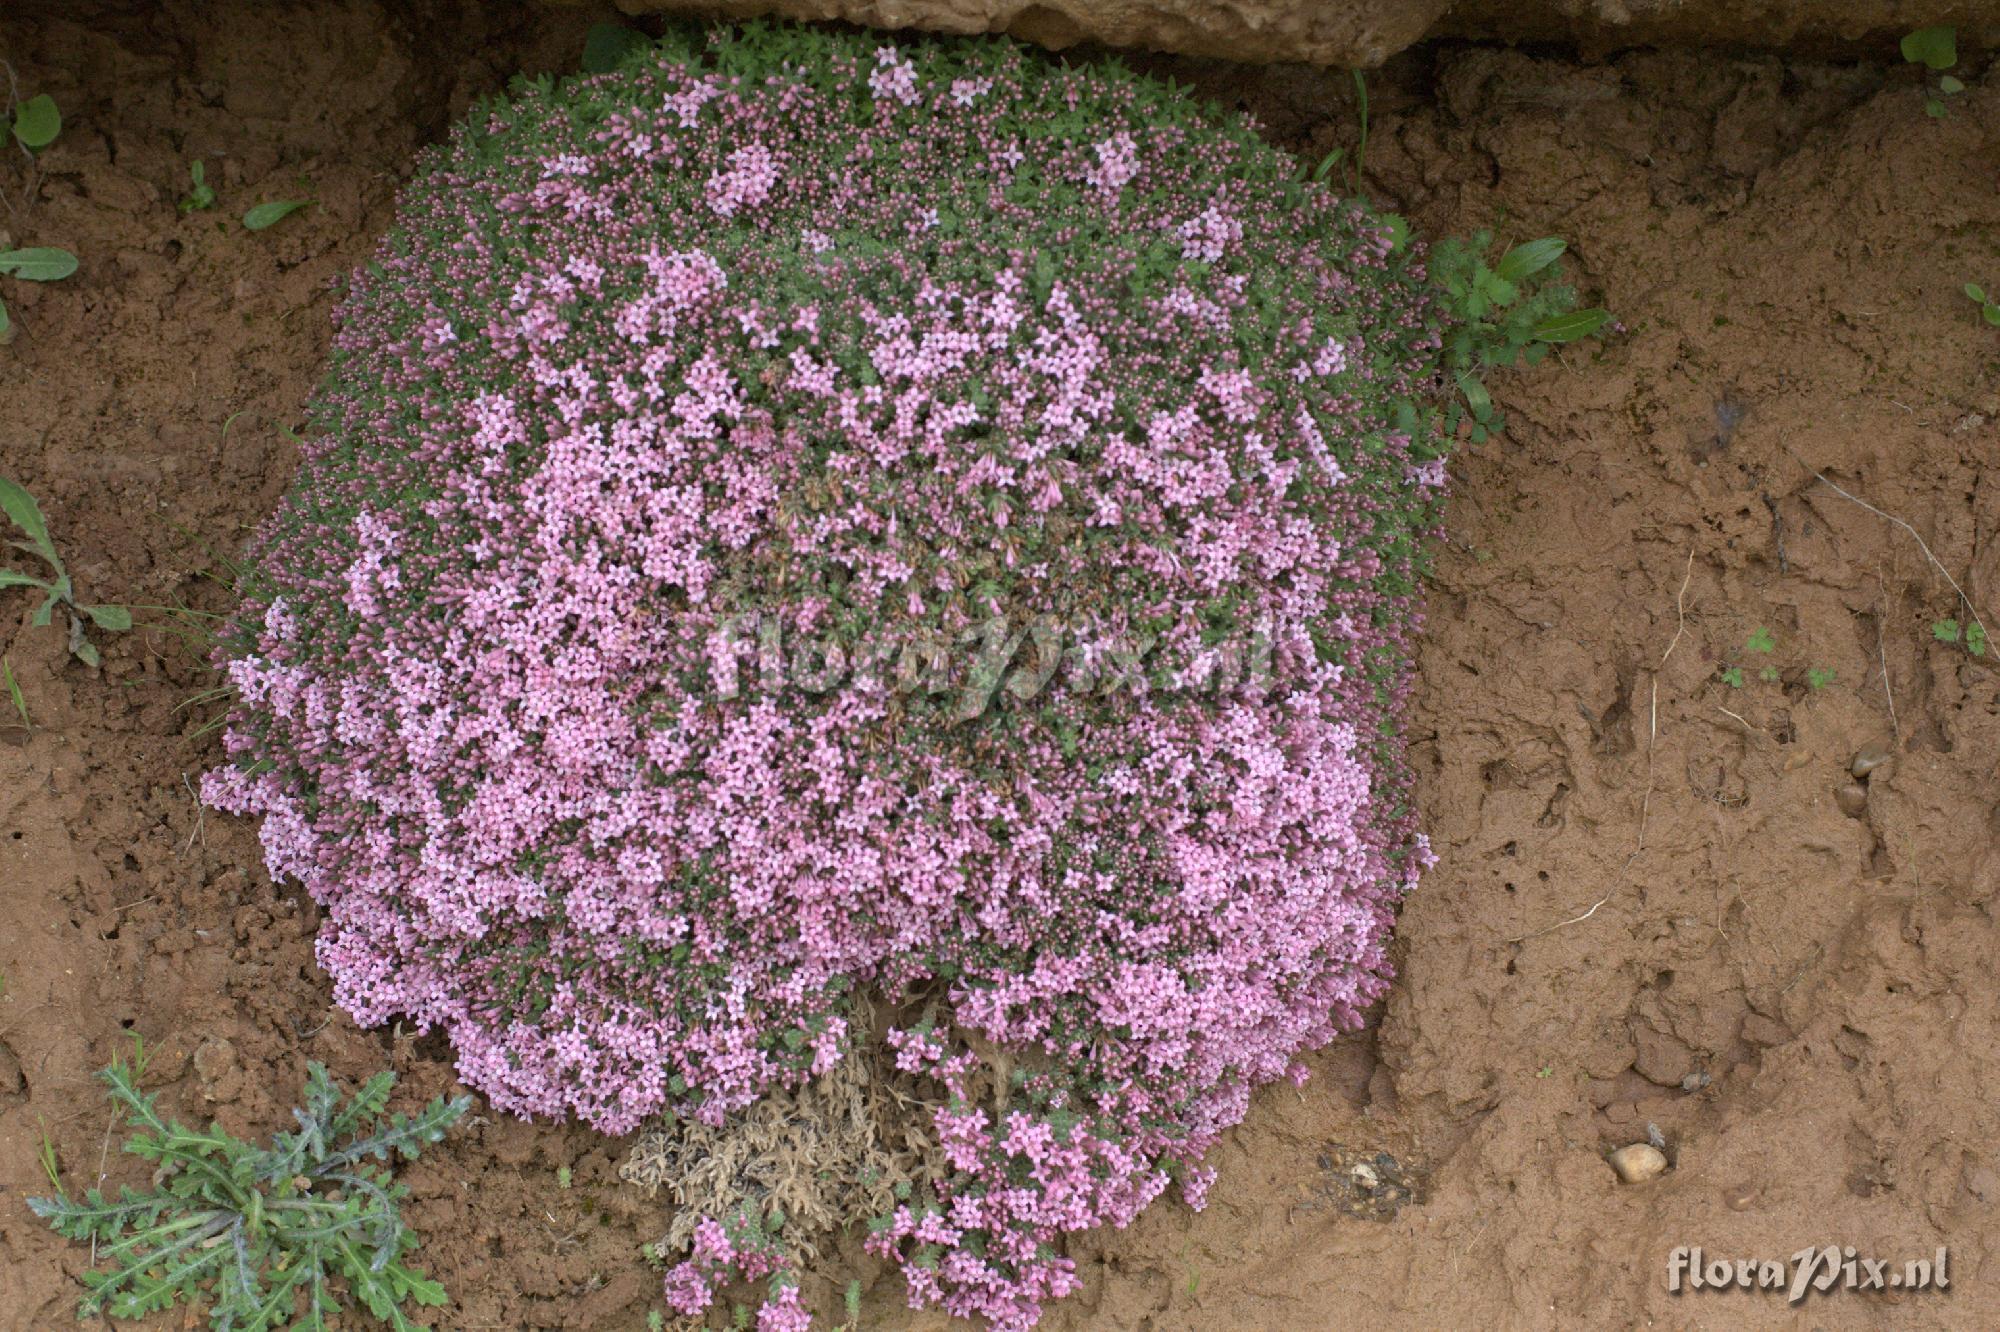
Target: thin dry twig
(1652, 738)
(200, 819)
(1882, 656)
(1970, 609)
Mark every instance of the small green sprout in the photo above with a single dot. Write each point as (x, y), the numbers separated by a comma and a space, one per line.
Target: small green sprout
(46, 1154)
(14, 692)
(1988, 310)
(1936, 49)
(200, 196)
(268, 214)
(1973, 635)
(655, 1321)
(256, 1231)
(1760, 640)
(1819, 677)
(562, 1177)
(39, 264)
(26, 514)
(37, 122)
(1733, 676)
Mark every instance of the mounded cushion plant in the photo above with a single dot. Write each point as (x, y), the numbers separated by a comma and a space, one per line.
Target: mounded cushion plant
(800, 338)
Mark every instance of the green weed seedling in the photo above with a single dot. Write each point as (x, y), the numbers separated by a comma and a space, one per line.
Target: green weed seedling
(39, 264)
(1972, 636)
(1507, 312)
(1988, 310)
(14, 693)
(36, 121)
(200, 196)
(1760, 643)
(270, 214)
(1936, 49)
(256, 1231)
(20, 507)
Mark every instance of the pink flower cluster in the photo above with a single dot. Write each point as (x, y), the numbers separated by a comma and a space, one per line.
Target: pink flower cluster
(855, 338)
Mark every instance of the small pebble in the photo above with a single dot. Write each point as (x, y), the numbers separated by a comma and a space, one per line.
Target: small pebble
(1638, 1163)
(1867, 759)
(214, 1059)
(1852, 797)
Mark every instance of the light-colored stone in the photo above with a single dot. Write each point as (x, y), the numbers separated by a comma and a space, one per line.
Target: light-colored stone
(1869, 760)
(1364, 33)
(1852, 799)
(1639, 1162)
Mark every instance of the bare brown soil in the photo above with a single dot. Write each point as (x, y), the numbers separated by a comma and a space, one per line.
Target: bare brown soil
(1649, 910)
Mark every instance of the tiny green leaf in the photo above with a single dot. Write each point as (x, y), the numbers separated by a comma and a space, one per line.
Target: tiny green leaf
(1477, 399)
(1976, 292)
(15, 578)
(606, 45)
(1760, 641)
(1975, 639)
(1934, 108)
(1945, 631)
(266, 214)
(1530, 257)
(40, 263)
(109, 617)
(26, 514)
(1991, 313)
(1950, 86)
(37, 122)
(1936, 48)
(1571, 327)
(1733, 676)
(6, 325)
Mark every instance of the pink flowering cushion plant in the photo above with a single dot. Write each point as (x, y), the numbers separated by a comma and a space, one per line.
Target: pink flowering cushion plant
(805, 523)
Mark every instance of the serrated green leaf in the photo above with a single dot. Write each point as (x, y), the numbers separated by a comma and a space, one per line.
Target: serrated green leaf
(1571, 327)
(1935, 48)
(268, 214)
(1975, 639)
(1945, 631)
(1760, 640)
(1530, 257)
(40, 263)
(38, 121)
